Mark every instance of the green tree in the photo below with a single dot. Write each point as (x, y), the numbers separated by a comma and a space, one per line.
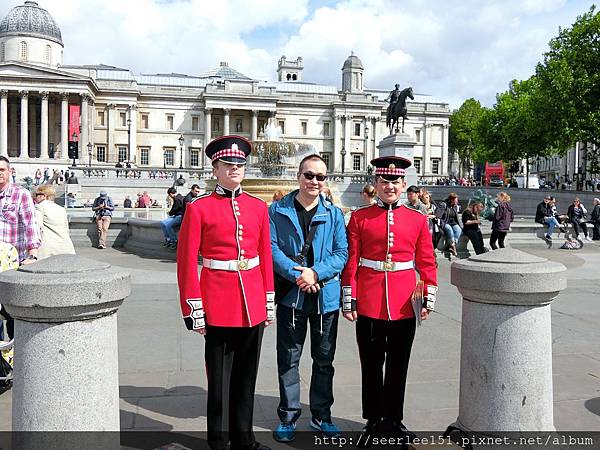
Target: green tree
(462, 135)
(569, 78)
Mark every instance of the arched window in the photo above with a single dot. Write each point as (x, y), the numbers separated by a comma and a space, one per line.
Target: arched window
(2, 52)
(48, 54)
(294, 77)
(23, 52)
(289, 77)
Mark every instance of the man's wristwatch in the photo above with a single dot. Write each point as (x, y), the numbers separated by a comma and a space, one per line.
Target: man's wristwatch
(32, 257)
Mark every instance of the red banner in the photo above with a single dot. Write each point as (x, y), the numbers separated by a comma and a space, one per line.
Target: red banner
(74, 118)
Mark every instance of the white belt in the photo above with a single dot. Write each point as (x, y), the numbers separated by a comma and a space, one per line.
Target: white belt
(233, 265)
(387, 266)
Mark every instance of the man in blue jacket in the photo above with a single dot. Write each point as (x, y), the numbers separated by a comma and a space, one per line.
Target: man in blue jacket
(313, 297)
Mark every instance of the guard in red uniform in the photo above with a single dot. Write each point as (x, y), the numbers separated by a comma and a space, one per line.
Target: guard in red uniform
(232, 299)
(388, 244)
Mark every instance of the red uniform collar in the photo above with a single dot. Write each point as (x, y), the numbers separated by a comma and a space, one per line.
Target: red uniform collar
(223, 192)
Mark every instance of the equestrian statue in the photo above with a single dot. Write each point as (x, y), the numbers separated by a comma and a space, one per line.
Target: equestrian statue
(397, 107)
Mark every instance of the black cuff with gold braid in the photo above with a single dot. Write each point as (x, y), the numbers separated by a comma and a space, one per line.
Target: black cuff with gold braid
(348, 303)
(270, 306)
(195, 321)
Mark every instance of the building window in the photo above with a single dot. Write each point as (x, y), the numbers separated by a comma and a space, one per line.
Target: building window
(357, 129)
(122, 153)
(281, 124)
(417, 164)
(435, 166)
(418, 135)
(144, 156)
(327, 158)
(261, 126)
(48, 54)
(145, 121)
(123, 119)
(2, 52)
(239, 125)
(100, 153)
(303, 128)
(326, 128)
(23, 50)
(357, 162)
(194, 157)
(100, 119)
(169, 156)
(216, 124)
(170, 122)
(195, 123)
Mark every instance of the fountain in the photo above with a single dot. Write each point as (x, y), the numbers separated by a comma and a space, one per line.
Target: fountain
(272, 164)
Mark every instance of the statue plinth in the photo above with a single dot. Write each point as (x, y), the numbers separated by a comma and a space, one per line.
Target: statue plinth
(402, 145)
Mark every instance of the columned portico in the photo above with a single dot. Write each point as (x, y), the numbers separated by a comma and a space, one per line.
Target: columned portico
(24, 147)
(4, 123)
(44, 125)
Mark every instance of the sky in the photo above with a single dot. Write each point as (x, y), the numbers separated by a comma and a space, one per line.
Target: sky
(450, 49)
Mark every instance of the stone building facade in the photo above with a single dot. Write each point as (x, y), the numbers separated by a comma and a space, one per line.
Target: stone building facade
(167, 119)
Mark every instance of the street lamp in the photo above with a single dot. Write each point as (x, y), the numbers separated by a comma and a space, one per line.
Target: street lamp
(129, 139)
(74, 149)
(89, 146)
(343, 153)
(181, 139)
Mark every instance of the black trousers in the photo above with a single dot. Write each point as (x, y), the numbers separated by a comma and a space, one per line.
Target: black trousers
(497, 236)
(231, 356)
(384, 342)
(579, 227)
(476, 239)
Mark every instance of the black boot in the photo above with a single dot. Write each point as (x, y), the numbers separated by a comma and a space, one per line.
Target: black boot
(371, 430)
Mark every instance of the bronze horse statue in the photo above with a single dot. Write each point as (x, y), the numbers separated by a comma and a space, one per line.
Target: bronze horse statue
(397, 109)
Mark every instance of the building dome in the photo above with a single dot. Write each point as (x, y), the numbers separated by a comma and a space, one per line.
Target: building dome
(30, 20)
(353, 62)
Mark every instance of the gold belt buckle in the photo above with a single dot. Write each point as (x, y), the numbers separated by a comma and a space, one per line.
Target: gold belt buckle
(242, 264)
(388, 266)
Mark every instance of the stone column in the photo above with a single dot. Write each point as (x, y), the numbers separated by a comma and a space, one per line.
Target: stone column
(66, 377)
(347, 134)
(445, 169)
(84, 136)
(24, 148)
(64, 126)
(207, 126)
(3, 122)
(506, 342)
(44, 126)
(337, 135)
(226, 112)
(254, 127)
(426, 162)
(376, 122)
(133, 133)
(110, 133)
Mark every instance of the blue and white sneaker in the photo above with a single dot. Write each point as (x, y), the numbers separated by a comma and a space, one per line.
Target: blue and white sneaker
(327, 428)
(285, 432)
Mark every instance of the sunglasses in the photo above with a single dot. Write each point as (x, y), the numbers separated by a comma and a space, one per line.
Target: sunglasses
(310, 176)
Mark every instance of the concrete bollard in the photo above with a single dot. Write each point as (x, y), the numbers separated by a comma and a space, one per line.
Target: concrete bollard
(66, 374)
(506, 344)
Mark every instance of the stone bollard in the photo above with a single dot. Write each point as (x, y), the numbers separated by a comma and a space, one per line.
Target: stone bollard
(506, 344)
(66, 374)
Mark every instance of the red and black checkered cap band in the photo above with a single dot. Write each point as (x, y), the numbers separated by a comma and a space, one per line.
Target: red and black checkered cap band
(228, 152)
(387, 171)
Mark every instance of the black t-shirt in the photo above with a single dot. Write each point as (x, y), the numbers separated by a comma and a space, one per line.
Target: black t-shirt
(452, 216)
(304, 218)
(466, 216)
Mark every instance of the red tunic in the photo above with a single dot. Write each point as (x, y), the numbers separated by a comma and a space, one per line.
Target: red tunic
(374, 233)
(226, 228)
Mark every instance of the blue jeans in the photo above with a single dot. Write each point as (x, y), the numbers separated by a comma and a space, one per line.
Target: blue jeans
(167, 227)
(552, 224)
(452, 233)
(291, 333)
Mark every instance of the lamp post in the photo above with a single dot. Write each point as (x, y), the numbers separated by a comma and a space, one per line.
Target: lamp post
(181, 139)
(89, 147)
(74, 150)
(343, 153)
(129, 139)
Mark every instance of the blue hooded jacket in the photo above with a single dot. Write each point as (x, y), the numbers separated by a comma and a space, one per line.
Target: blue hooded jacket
(330, 248)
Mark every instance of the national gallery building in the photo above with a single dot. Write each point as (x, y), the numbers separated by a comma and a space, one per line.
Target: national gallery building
(166, 120)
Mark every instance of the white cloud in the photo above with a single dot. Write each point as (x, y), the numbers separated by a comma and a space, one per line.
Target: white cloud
(453, 49)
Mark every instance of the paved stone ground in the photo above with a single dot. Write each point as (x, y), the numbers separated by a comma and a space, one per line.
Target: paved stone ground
(163, 386)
